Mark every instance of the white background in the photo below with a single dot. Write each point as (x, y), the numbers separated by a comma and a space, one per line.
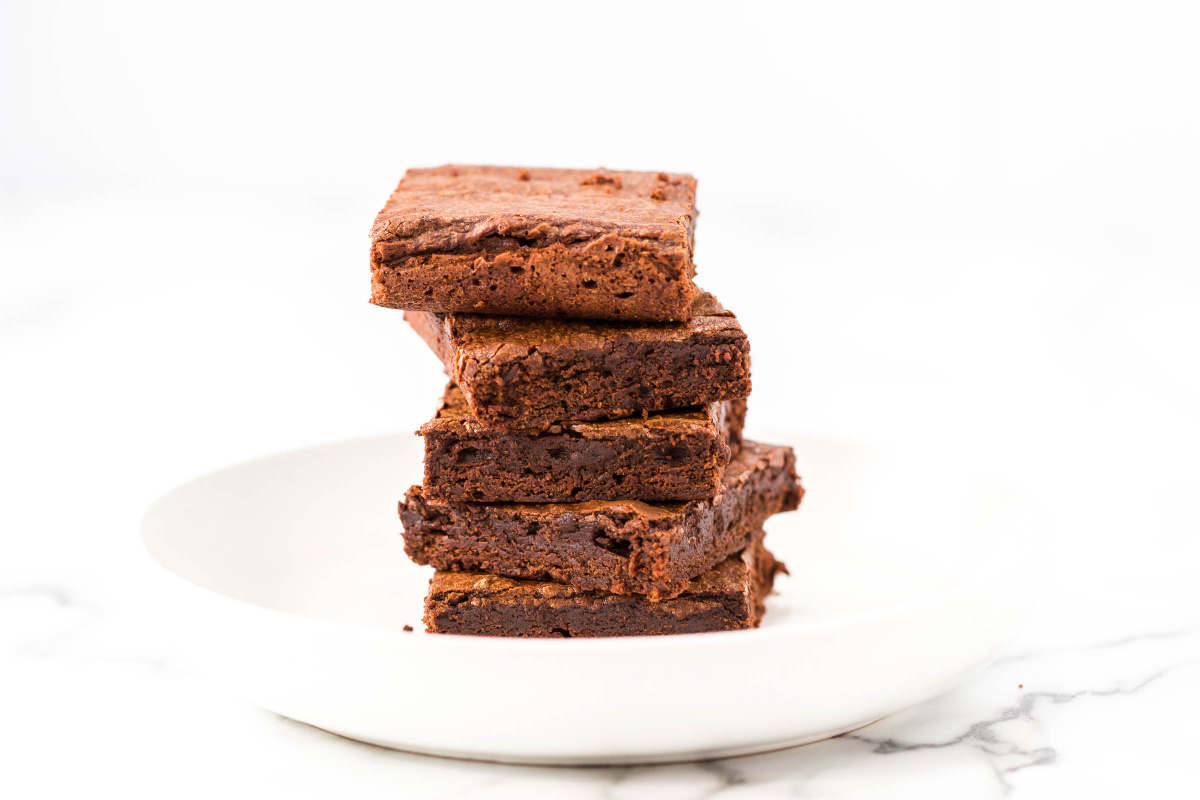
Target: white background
(972, 227)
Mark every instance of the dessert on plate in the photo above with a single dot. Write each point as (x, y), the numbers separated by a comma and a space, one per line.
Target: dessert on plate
(585, 471)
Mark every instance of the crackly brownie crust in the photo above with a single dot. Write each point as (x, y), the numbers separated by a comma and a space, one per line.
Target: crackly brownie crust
(526, 375)
(590, 244)
(672, 455)
(619, 546)
(729, 596)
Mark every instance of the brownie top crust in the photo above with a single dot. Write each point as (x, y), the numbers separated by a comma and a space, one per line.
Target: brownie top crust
(457, 208)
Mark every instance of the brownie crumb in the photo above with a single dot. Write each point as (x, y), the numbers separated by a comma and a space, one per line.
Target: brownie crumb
(658, 194)
(664, 177)
(407, 629)
(523, 175)
(599, 179)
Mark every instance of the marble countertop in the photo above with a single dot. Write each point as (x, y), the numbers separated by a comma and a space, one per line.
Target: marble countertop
(1052, 358)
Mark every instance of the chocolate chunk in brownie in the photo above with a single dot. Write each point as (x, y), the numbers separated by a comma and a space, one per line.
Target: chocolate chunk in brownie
(526, 375)
(588, 244)
(620, 546)
(731, 595)
(670, 455)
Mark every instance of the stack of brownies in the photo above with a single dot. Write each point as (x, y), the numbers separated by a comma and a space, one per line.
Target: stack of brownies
(585, 474)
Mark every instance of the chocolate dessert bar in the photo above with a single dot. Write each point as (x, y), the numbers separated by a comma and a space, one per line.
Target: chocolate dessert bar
(730, 595)
(671, 455)
(620, 546)
(589, 244)
(526, 375)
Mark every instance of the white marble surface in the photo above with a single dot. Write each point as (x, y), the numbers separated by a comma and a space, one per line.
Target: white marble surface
(136, 353)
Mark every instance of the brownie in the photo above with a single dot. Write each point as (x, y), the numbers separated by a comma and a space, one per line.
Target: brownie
(589, 244)
(620, 546)
(526, 375)
(670, 455)
(730, 595)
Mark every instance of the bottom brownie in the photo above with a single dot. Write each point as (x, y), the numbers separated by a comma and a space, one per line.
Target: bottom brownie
(730, 595)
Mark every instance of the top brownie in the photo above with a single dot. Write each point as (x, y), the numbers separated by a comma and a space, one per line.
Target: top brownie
(588, 244)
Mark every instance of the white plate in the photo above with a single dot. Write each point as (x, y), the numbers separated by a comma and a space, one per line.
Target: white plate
(903, 583)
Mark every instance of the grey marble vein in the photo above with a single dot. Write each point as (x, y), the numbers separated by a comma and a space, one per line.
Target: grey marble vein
(984, 738)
